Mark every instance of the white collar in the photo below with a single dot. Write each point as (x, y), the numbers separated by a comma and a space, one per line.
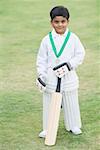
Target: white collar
(55, 34)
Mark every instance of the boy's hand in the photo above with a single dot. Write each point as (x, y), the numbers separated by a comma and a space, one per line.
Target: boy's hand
(61, 70)
(40, 84)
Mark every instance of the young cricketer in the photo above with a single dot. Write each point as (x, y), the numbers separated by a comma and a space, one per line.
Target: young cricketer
(61, 46)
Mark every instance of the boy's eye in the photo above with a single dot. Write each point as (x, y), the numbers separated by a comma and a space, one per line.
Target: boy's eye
(56, 21)
(63, 21)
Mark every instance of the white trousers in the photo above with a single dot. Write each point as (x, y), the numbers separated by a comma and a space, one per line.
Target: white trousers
(70, 107)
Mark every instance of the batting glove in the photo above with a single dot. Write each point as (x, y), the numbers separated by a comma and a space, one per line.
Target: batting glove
(61, 69)
(40, 84)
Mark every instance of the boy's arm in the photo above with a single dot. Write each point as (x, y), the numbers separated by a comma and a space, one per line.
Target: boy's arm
(78, 56)
(41, 63)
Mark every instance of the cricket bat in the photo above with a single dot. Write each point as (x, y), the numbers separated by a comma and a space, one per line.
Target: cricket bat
(54, 115)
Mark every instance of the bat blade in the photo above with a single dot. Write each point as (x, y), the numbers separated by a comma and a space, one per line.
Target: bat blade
(53, 118)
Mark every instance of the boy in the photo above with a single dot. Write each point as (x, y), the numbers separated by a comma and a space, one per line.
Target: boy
(58, 47)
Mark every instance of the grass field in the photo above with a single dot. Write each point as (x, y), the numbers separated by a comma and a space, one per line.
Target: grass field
(23, 23)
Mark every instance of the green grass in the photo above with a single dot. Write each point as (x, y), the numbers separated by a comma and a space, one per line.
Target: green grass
(23, 23)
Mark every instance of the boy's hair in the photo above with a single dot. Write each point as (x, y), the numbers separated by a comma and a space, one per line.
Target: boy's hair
(59, 11)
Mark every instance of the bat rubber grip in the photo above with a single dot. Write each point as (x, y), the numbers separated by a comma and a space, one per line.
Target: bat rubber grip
(58, 85)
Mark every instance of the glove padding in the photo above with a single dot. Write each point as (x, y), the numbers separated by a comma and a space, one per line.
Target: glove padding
(40, 84)
(61, 70)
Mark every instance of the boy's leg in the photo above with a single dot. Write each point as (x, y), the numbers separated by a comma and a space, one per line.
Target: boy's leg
(46, 103)
(71, 110)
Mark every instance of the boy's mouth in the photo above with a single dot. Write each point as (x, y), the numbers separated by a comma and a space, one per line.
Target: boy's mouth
(60, 28)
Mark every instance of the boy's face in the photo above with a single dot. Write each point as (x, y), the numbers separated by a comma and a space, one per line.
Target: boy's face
(60, 23)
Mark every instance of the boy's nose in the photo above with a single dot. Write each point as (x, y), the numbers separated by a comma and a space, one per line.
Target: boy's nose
(60, 23)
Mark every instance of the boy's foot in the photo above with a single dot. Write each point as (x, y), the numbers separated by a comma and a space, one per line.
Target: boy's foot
(76, 131)
(42, 134)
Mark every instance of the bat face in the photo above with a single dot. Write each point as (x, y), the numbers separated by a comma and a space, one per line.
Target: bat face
(53, 121)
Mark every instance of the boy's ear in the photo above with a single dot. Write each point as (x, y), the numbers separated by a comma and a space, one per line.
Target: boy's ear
(68, 20)
(51, 22)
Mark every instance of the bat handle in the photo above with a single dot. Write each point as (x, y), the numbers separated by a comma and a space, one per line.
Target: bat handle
(58, 85)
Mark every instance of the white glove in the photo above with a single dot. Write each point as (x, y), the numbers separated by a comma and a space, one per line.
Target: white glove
(40, 84)
(61, 71)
